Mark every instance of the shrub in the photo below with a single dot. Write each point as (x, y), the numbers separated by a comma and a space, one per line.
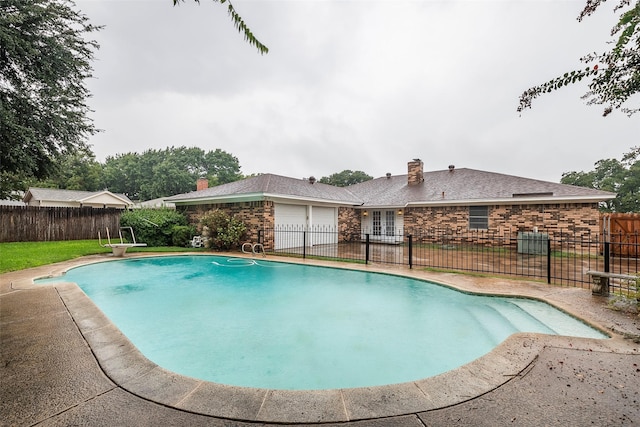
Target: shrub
(181, 235)
(628, 301)
(222, 231)
(153, 226)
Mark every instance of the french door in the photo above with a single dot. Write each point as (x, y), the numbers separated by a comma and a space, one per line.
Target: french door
(383, 223)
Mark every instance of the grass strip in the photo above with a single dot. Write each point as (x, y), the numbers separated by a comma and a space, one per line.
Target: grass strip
(21, 255)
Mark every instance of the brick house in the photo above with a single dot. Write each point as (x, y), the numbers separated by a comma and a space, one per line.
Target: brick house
(389, 207)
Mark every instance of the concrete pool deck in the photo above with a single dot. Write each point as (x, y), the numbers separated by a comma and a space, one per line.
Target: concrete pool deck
(64, 363)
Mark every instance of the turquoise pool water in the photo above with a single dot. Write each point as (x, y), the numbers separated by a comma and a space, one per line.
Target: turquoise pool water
(286, 326)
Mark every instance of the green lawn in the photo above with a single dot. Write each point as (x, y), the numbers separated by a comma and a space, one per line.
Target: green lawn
(20, 255)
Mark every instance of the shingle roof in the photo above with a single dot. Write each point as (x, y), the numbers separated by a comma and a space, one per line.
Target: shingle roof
(66, 195)
(12, 203)
(274, 185)
(469, 186)
(459, 186)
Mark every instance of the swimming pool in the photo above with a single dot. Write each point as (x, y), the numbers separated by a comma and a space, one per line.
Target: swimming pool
(286, 326)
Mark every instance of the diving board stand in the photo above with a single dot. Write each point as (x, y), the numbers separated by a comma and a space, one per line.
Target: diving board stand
(119, 249)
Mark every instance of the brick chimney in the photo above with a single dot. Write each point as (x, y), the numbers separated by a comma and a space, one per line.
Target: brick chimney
(202, 184)
(415, 172)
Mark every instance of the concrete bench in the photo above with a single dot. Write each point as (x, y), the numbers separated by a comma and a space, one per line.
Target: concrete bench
(600, 279)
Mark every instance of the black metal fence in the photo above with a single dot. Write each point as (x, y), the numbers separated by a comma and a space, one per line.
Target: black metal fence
(562, 259)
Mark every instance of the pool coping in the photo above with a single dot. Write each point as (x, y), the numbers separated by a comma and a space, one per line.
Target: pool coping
(127, 367)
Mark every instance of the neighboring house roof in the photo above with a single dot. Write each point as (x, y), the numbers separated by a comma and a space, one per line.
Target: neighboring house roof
(269, 186)
(467, 187)
(54, 195)
(12, 203)
(445, 187)
(155, 203)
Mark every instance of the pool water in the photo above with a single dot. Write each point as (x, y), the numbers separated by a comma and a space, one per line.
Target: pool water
(285, 326)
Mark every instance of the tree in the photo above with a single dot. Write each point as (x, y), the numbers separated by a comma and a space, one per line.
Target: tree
(238, 22)
(161, 173)
(345, 178)
(629, 191)
(121, 174)
(76, 171)
(614, 74)
(45, 57)
(221, 167)
(618, 176)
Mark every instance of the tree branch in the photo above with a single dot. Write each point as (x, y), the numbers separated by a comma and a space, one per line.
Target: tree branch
(615, 74)
(238, 22)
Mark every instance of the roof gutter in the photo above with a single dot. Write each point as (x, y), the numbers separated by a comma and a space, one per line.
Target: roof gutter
(247, 197)
(515, 201)
(294, 198)
(203, 200)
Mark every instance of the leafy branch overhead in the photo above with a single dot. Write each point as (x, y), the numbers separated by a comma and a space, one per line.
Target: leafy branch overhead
(614, 74)
(238, 22)
(45, 59)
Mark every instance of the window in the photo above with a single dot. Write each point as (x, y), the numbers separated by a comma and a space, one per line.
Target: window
(377, 223)
(478, 217)
(390, 223)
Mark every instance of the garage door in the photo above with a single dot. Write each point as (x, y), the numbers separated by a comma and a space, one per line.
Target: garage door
(324, 218)
(324, 225)
(290, 221)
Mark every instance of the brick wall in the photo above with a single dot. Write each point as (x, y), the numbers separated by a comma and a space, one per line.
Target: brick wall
(349, 223)
(257, 216)
(453, 217)
(581, 219)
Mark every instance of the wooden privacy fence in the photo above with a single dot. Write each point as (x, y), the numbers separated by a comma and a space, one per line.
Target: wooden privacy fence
(43, 224)
(622, 230)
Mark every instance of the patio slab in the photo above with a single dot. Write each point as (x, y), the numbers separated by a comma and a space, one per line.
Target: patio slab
(50, 372)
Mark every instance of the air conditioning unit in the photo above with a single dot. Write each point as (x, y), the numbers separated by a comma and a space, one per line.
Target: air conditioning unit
(532, 243)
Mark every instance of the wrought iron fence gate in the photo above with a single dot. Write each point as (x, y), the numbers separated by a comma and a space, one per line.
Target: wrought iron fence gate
(562, 259)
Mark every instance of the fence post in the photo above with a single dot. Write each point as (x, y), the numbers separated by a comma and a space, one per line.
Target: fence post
(260, 237)
(410, 251)
(366, 249)
(548, 260)
(606, 256)
(304, 244)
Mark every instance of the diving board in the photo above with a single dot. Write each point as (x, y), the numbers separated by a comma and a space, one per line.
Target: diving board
(119, 249)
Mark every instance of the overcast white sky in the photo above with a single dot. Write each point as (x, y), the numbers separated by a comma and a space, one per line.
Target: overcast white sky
(360, 85)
